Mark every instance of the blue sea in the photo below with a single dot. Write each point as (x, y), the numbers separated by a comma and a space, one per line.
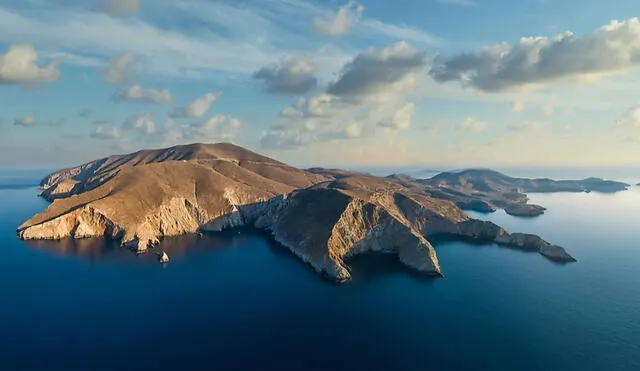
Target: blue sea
(237, 301)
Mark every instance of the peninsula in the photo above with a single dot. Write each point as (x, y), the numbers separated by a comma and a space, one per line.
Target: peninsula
(323, 216)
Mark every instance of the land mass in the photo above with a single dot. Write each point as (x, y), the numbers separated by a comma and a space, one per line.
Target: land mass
(485, 190)
(324, 216)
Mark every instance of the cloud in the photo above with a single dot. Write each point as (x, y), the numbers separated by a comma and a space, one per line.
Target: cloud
(339, 23)
(143, 123)
(198, 107)
(401, 118)
(293, 76)
(121, 6)
(630, 120)
(224, 52)
(19, 66)
(517, 105)
(389, 70)
(216, 128)
(458, 2)
(471, 124)
(614, 47)
(120, 69)
(26, 121)
(106, 132)
(137, 93)
(370, 93)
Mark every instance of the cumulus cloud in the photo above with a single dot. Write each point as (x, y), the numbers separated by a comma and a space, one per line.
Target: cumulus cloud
(630, 120)
(121, 6)
(120, 69)
(137, 93)
(471, 124)
(198, 107)
(293, 76)
(106, 132)
(216, 128)
(341, 22)
(19, 66)
(26, 121)
(380, 71)
(401, 119)
(614, 47)
(143, 123)
(370, 93)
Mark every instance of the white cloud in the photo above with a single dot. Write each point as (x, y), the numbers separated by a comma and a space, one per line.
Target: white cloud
(339, 23)
(612, 48)
(120, 69)
(137, 93)
(269, 31)
(471, 124)
(216, 128)
(19, 66)
(630, 120)
(198, 107)
(26, 121)
(121, 6)
(401, 119)
(143, 123)
(292, 76)
(370, 93)
(106, 132)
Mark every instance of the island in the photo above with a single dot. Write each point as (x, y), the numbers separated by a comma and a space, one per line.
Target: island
(485, 190)
(323, 216)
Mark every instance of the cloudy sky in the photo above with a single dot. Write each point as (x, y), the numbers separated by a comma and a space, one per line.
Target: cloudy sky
(323, 82)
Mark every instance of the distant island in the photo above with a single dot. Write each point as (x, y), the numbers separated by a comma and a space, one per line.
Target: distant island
(485, 190)
(323, 216)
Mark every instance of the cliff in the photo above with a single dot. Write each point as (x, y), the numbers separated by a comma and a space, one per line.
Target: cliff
(322, 216)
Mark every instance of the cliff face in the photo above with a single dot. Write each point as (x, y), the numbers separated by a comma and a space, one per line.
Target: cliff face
(323, 217)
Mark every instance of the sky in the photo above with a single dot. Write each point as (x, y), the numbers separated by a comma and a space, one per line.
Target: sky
(323, 83)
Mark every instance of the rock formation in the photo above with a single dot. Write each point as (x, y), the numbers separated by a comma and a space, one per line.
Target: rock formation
(322, 216)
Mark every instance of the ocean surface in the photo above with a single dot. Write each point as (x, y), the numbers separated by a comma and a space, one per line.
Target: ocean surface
(237, 301)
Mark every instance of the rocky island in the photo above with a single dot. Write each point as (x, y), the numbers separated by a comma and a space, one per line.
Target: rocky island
(485, 190)
(323, 216)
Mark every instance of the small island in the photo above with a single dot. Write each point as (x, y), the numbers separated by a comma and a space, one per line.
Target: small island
(323, 216)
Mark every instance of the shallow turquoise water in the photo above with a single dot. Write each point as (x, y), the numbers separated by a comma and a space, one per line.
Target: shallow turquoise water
(237, 301)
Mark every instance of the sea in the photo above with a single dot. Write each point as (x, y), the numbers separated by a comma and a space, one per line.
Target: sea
(238, 301)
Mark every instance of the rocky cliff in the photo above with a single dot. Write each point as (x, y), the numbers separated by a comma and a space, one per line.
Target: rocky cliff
(323, 217)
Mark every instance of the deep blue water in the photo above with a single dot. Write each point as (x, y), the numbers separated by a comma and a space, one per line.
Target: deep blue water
(237, 301)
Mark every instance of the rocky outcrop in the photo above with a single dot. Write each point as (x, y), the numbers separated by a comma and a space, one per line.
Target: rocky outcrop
(530, 242)
(324, 217)
(525, 210)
